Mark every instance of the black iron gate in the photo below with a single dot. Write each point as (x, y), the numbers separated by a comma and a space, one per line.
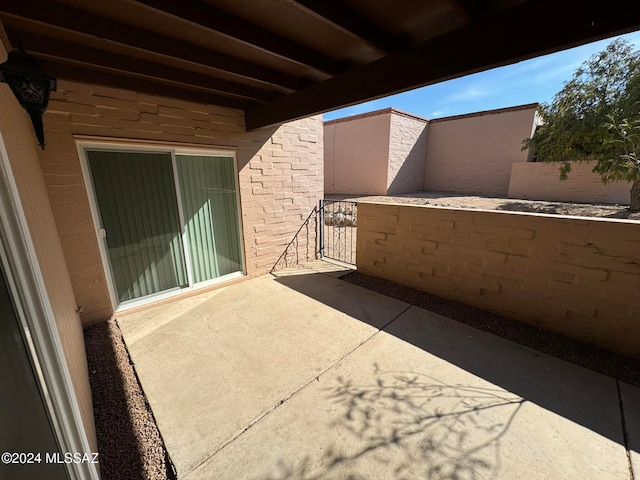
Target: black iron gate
(328, 232)
(337, 230)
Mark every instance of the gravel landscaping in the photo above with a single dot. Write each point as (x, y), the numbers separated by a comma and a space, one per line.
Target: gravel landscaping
(129, 442)
(443, 199)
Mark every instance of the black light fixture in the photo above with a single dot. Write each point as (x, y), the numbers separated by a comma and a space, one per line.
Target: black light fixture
(30, 86)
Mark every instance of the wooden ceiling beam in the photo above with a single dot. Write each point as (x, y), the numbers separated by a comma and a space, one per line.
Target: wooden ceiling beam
(346, 20)
(530, 29)
(474, 10)
(212, 18)
(71, 19)
(109, 79)
(64, 52)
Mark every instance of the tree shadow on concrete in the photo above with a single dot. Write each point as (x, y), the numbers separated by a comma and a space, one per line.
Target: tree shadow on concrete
(411, 425)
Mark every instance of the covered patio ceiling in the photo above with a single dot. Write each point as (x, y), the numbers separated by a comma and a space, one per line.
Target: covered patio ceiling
(279, 60)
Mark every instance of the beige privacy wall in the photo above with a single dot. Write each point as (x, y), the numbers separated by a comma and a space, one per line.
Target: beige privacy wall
(575, 276)
(541, 181)
(474, 153)
(280, 172)
(376, 153)
(21, 146)
(407, 153)
(356, 153)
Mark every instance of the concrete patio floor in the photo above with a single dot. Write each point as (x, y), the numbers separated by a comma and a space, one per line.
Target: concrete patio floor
(305, 376)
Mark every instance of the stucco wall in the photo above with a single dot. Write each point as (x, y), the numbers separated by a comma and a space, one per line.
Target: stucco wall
(407, 153)
(280, 172)
(21, 146)
(473, 153)
(541, 181)
(356, 154)
(579, 277)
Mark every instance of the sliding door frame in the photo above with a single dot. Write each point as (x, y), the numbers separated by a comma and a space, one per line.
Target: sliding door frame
(136, 147)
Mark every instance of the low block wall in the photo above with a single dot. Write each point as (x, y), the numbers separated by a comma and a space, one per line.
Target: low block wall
(578, 277)
(541, 181)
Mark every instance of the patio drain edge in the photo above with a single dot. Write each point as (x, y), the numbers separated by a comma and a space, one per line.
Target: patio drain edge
(282, 401)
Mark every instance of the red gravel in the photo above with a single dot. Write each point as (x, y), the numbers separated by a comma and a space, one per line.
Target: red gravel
(129, 442)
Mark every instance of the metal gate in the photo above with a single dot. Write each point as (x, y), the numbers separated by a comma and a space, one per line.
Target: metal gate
(337, 230)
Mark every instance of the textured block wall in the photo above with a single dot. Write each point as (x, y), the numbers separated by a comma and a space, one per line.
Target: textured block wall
(579, 277)
(541, 181)
(407, 153)
(357, 154)
(473, 153)
(280, 172)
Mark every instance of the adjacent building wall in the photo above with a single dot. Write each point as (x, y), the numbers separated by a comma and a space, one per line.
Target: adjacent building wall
(407, 153)
(541, 181)
(21, 146)
(474, 153)
(576, 276)
(280, 172)
(357, 153)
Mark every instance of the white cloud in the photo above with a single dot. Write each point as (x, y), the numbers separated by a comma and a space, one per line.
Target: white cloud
(471, 93)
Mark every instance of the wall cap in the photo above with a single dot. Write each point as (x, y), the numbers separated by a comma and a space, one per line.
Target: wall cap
(506, 212)
(487, 112)
(376, 113)
(392, 110)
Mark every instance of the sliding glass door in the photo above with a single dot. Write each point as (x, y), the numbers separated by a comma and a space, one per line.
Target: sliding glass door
(168, 221)
(210, 210)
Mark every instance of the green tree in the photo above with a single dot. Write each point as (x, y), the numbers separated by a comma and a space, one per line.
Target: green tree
(596, 117)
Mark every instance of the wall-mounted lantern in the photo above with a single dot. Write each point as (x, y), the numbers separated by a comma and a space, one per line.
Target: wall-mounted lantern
(30, 86)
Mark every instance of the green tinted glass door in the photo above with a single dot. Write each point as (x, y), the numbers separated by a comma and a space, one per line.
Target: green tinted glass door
(135, 193)
(210, 213)
(24, 421)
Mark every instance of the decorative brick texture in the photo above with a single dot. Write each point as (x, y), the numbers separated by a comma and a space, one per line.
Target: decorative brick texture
(474, 153)
(541, 181)
(407, 153)
(280, 172)
(579, 277)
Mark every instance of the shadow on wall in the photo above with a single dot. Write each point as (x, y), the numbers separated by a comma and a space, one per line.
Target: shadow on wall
(406, 423)
(257, 140)
(410, 177)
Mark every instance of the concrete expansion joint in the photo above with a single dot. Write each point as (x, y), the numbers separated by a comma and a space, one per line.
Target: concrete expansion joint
(286, 398)
(625, 432)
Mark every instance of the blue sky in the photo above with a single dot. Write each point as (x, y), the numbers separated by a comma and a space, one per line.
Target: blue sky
(535, 80)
